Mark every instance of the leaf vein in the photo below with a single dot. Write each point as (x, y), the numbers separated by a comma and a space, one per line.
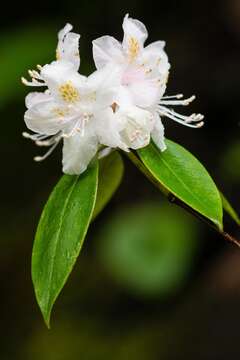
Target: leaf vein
(57, 242)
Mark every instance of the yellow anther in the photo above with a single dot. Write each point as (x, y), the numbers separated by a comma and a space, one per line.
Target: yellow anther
(133, 48)
(60, 112)
(69, 93)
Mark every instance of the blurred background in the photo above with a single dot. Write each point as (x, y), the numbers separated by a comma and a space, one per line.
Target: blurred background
(151, 282)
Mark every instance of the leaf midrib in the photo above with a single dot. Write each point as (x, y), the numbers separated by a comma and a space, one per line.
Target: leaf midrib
(57, 242)
(181, 182)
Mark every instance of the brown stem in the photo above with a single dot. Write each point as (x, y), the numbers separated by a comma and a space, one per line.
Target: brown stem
(230, 238)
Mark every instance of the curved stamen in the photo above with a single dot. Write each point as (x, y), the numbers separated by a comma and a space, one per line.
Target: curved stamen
(34, 137)
(191, 118)
(178, 96)
(78, 127)
(34, 82)
(184, 102)
(40, 139)
(181, 119)
(34, 74)
(49, 142)
(41, 158)
(37, 79)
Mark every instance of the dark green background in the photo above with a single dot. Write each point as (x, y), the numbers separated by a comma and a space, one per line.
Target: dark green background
(98, 315)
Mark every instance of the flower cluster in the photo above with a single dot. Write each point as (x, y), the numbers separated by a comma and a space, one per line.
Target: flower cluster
(120, 105)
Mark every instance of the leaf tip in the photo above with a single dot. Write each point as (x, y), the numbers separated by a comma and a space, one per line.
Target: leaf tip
(46, 317)
(47, 322)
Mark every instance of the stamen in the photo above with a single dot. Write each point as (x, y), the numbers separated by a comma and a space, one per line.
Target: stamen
(79, 127)
(133, 48)
(184, 102)
(34, 137)
(34, 82)
(178, 96)
(190, 118)
(135, 135)
(69, 93)
(181, 119)
(40, 139)
(41, 158)
(49, 142)
(193, 120)
(35, 74)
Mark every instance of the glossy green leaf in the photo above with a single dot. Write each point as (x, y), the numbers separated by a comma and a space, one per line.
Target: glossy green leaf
(60, 234)
(183, 176)
(230, 210)
(110, 175)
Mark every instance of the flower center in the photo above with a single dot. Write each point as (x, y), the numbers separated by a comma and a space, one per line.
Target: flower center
(133, 48)
(61, 112)
(69, 93)
(132, 75)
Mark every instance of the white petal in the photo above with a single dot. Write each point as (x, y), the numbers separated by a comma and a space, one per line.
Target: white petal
(138, 124)
(62, 33)
(124, 98)
(145, 93)
(107, 49)
(60, 73)
(155, 57)
(43, 118)
(108, 128)
(156, 46)
(158, 133)
(105, 83)
(36, 97)
(68, 46)
(108, 76)
(133, 29)
(142, 85)
(78, 151)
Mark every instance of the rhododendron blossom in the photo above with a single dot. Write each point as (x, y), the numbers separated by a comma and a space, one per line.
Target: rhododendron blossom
(72, 105)
(144, 76)
(120, 105)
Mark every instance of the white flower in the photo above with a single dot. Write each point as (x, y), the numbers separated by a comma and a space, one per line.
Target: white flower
(120, 105)
(50, 113)
(68, 46)
(144, 70)
(128, 128)
(71, 106)
(94, 106)
(144, 78)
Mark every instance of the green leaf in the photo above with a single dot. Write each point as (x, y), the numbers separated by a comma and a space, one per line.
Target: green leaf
(229, 209)
(183, 176)
(111, 170)
(60, 234)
